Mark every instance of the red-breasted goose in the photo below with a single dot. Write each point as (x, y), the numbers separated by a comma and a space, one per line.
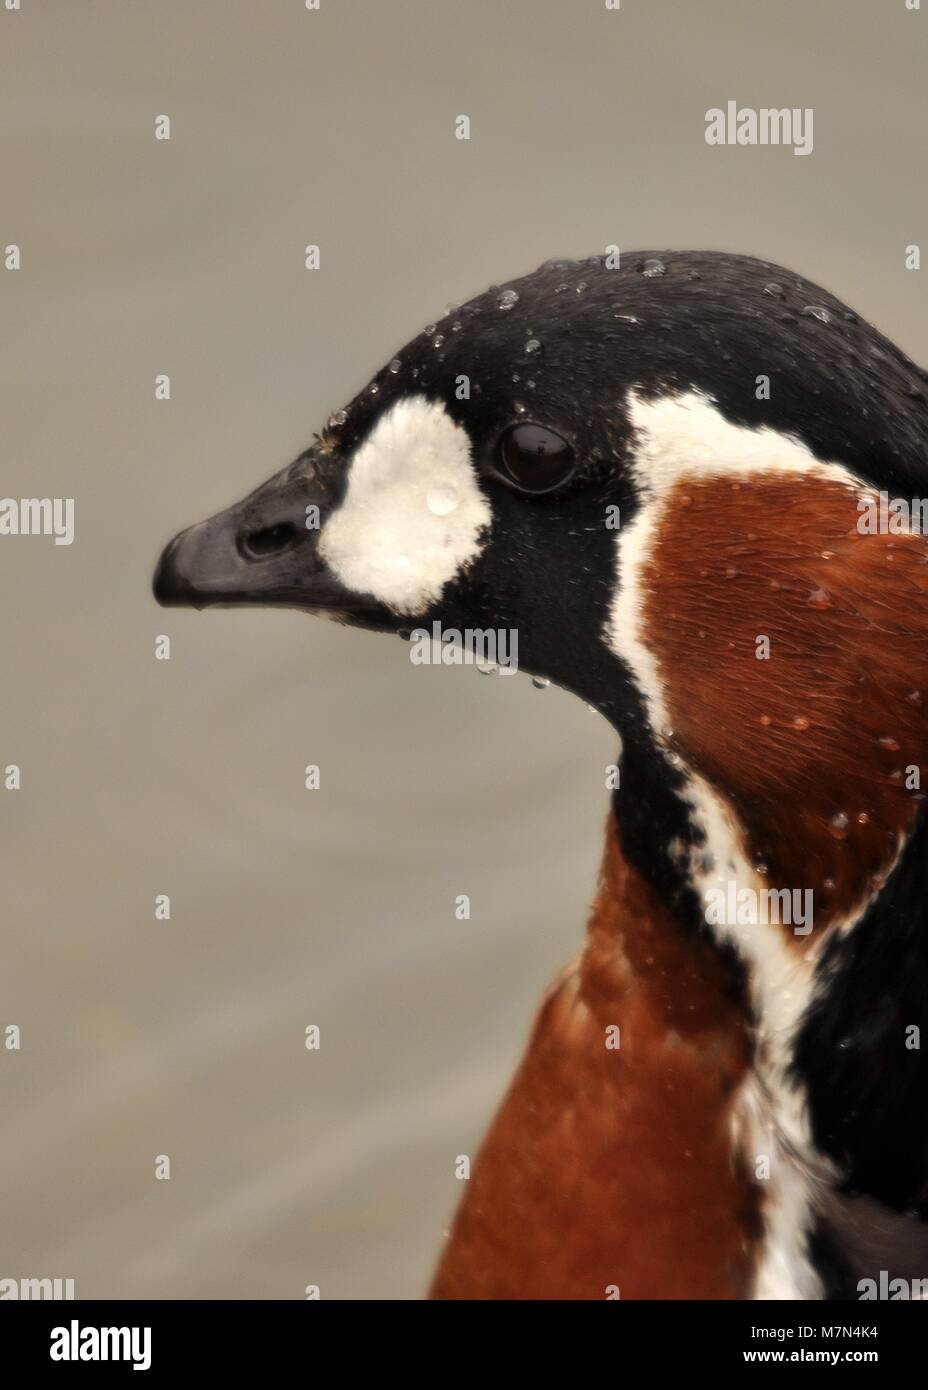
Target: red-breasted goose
(691, 486)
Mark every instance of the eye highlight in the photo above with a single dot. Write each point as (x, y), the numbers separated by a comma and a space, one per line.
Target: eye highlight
(534, 458)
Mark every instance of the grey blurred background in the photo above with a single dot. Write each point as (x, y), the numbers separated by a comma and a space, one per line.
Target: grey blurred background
(185, 777)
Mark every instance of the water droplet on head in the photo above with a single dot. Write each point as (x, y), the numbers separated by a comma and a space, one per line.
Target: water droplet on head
(817, 311)
(395, 366)
(652, 267)
(818, 598)
(338, 418)
(561, 289)
(507, 299)
(441, 499)
(581, 287)
(891, 744)
(532, 345)
(801, 723)
(429, 329)
(837, 826)
(456, 326)
(914, 697)
(373, 388)
(777, 291)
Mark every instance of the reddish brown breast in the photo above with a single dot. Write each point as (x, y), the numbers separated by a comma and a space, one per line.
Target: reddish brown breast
(616, 1167)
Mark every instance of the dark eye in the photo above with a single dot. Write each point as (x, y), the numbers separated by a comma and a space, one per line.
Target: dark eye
(534, 458)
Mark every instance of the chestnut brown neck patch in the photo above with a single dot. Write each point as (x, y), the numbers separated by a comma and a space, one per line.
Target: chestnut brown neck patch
(612, 1163)
(819, 749)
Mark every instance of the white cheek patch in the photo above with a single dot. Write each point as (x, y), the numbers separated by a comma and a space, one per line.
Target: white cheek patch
(413, 516)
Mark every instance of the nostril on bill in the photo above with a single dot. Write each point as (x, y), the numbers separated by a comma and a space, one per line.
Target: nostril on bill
(266, 540)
